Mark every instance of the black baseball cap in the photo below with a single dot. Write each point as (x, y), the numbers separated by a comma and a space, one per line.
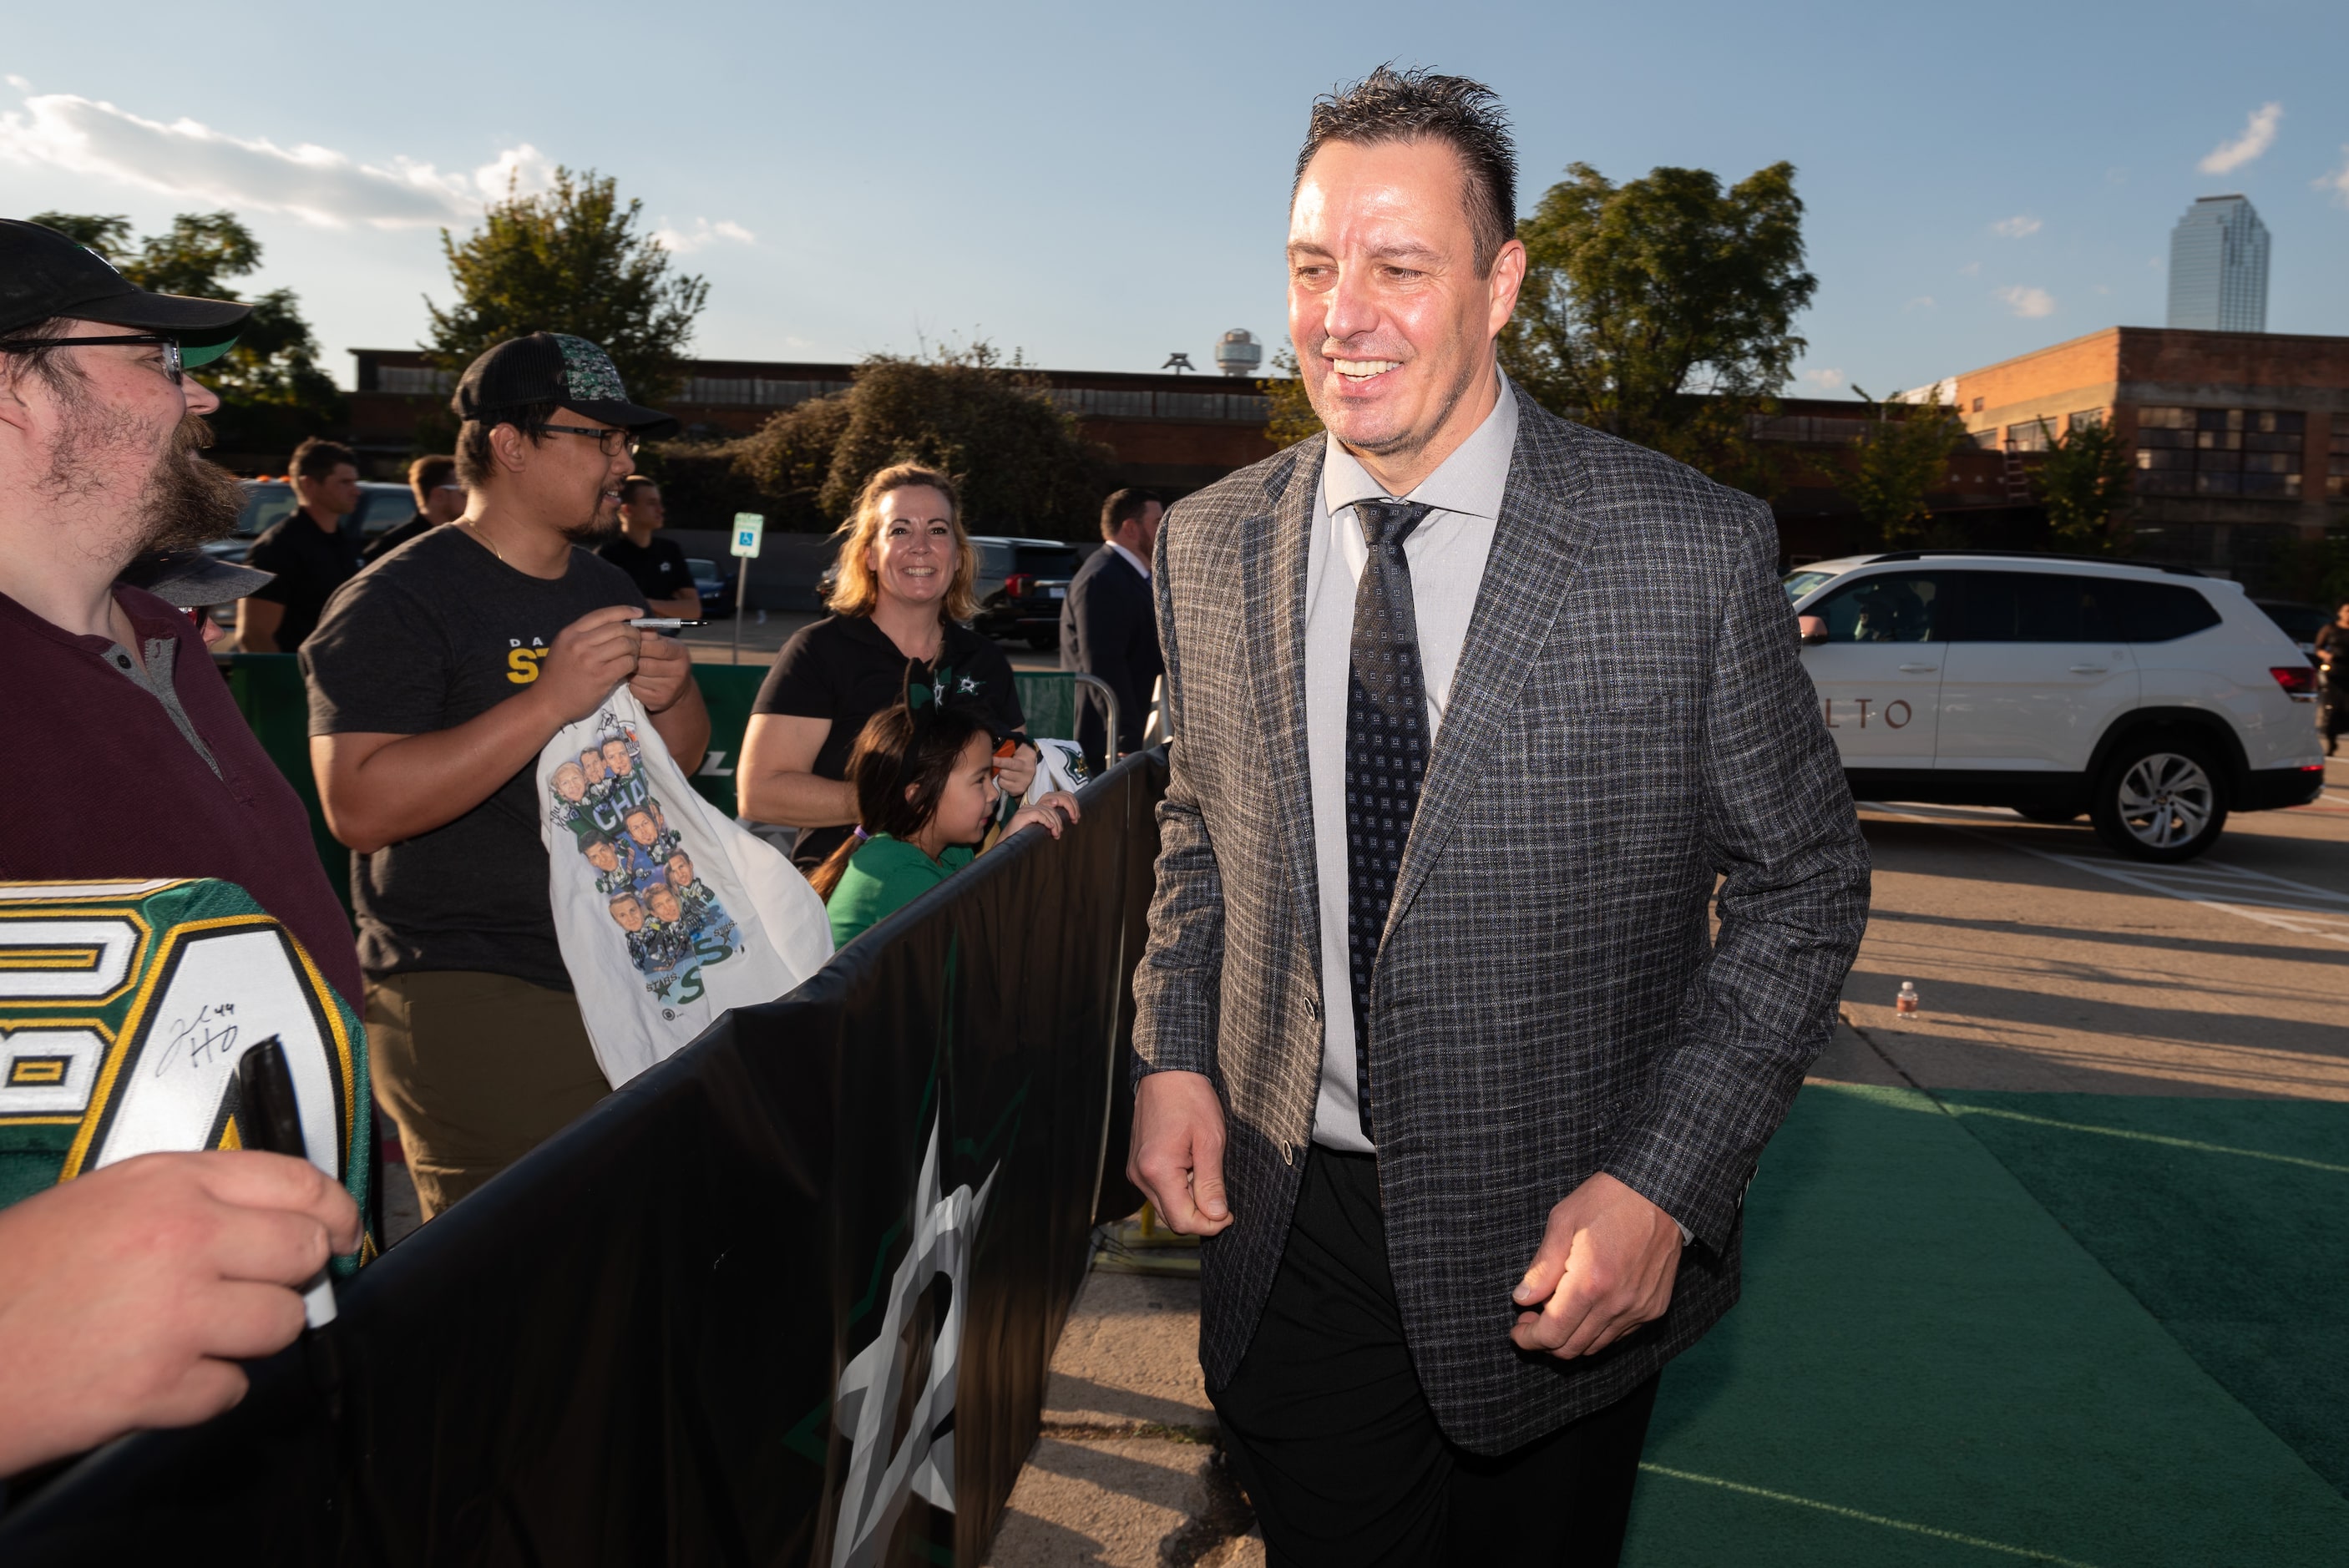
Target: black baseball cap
(553, 367)
(45, 275)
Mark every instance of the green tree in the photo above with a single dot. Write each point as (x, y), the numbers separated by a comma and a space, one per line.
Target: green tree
(1661, 310)
(272, 392)
(2087, 481)
(1293, 418)
(1899, 462)
(1022, 461)
(572, 260)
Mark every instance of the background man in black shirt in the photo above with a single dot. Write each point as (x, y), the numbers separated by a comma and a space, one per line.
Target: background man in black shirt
(310, 551)
(440, 498)
(436, 679)
(1109, 628)
(656, 564)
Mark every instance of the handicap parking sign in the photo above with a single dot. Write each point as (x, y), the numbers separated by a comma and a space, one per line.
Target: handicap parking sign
(750, 527)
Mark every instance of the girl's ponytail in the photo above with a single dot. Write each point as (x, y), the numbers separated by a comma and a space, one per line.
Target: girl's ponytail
(826, 877)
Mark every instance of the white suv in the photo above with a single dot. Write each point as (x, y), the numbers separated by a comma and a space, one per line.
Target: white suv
(2153, 698)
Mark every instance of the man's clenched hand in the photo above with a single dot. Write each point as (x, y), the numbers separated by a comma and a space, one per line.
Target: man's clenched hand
(1605, 1265)
(1178, 1151)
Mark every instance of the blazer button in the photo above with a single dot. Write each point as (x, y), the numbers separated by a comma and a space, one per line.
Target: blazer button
(1288, 1153)
(1314, 1006)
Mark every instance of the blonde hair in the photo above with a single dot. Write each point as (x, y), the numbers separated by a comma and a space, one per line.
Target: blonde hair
(855, 590)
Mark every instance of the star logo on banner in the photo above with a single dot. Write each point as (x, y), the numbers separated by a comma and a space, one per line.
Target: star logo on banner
(872, 1384)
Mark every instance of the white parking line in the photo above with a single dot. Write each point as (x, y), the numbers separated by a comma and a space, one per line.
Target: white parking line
(2272, 901)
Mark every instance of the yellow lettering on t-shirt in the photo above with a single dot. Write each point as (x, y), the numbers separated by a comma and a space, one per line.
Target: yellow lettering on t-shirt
(522, 665)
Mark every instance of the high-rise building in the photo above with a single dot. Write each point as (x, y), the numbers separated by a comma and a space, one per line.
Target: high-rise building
(2218, 267)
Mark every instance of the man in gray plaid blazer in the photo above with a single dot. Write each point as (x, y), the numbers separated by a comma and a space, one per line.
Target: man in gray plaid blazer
(1470, 706)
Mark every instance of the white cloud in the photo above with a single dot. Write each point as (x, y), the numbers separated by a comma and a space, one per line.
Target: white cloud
(1970, 270)
(1922, 302)
(189, 159)
(522, 171)
(2028, 302)
(2259, 135)
(703, 234)
(2337, 182)
(19, 83)
(2016, 227)
(1824, 378)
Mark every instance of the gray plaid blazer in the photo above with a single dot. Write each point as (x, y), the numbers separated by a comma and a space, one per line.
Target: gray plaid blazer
(1629, 721)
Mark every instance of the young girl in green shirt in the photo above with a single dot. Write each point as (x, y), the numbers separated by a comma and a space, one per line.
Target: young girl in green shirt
(925, 792)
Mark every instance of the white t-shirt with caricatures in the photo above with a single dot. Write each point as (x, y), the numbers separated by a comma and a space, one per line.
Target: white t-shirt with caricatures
(667, 911)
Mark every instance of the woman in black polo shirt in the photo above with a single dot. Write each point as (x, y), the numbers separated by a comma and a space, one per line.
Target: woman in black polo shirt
(905, 574)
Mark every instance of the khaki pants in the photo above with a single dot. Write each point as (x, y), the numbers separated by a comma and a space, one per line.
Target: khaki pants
(477, 1070)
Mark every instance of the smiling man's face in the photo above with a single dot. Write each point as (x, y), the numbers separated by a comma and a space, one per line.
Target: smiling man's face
(1393, 323)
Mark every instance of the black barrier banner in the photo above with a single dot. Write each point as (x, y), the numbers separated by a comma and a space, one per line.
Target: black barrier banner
(787, 1298)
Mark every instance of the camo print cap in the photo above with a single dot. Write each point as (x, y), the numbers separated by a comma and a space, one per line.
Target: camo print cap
(553, 367)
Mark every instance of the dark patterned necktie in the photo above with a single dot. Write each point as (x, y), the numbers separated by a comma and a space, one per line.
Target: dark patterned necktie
(1386, 752)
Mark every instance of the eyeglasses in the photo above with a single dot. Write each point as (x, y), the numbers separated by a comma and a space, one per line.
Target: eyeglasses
(627, 440)
(173, 369)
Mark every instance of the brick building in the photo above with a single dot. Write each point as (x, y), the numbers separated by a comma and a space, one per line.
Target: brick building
(1173, 433)
(2242, 438)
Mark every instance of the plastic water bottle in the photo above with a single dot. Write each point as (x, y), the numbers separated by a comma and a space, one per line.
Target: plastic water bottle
(1907, 1001)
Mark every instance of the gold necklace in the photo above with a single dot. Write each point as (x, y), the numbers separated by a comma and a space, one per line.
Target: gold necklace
(469, 526)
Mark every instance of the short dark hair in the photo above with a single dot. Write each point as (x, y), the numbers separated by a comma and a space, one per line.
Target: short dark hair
(476, 460)
(632, 484)
(316, 458)
(1419, 105)
(1123, 507)
(425, 475)
(30, 350)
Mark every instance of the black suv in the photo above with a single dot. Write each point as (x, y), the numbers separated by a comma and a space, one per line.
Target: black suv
(1022, 584)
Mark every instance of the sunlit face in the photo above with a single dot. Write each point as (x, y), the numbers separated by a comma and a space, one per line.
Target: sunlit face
(571, 783)
(571, 477)
(665, 909)
(681, 870)
(911, 555)
(968, 798)
(1391, 322)
(603, 856)
(615, 758)
(629, 913)
(591, 763)
(642, 828)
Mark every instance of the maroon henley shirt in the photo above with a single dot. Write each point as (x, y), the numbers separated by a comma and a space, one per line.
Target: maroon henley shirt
(110, 788)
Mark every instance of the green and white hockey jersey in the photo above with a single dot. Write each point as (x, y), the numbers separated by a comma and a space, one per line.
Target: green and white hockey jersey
(123, 1009)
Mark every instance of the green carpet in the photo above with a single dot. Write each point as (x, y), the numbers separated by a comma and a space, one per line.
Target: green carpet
(1928, 1369)
(2227, 1218)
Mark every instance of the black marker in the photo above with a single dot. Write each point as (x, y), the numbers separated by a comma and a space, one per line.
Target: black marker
(268, 1118)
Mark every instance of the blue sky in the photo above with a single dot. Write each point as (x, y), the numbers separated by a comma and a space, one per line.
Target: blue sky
(1100, 185)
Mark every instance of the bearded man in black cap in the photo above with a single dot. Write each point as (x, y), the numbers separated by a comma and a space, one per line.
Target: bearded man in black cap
(435, 678)
(129, 1293)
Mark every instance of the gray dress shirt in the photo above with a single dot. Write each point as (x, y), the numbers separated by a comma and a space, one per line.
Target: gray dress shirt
(1446, 553)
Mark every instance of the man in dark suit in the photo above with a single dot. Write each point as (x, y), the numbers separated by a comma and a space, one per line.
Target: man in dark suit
(1470, 708)
(1108, 628)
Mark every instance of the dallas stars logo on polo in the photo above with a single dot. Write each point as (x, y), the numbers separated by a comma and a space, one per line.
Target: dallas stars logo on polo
(124, 1007)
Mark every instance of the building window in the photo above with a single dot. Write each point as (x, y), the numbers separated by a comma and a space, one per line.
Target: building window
(2086, 420)
(2032, 437)
(1977, 408)
(2220, 451)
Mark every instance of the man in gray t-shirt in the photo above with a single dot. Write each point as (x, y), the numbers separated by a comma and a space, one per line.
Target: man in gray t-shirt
(435, 678)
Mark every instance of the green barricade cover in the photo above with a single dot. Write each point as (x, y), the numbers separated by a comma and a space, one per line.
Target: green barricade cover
(1049, 698)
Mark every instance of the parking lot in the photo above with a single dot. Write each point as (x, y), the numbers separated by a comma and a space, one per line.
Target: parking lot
(2046, 963)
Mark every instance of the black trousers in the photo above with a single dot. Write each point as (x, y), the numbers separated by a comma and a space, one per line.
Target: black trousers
(1329, 1433)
